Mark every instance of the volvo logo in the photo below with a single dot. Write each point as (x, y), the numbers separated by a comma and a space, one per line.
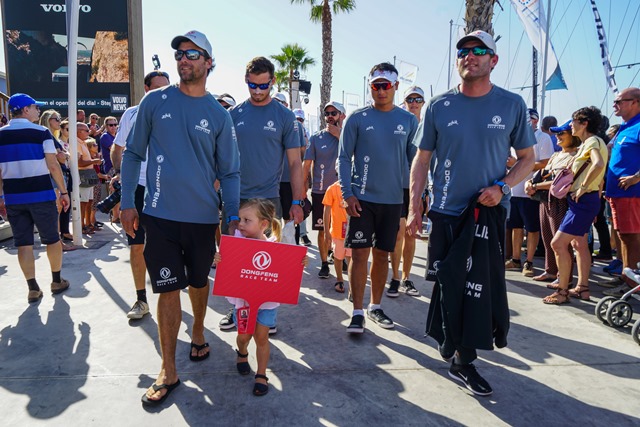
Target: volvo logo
(165, 272)
(261, 260)
(61, 8)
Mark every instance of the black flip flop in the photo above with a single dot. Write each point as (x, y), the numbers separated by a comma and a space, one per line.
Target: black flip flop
(157, 387)
(197, 358)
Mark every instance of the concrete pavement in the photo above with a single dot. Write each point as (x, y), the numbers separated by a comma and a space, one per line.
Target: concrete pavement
(75, 359)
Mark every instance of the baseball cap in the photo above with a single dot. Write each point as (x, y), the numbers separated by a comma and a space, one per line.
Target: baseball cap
(279, 96)
(227, 98)
(335, 104)
(298, 113)
(533, 113)
(566, 126)
(414, 90)
(481, 36)
(197, 38)
(21, 100)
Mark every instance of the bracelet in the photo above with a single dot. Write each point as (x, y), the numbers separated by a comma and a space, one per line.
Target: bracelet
(232, 218)
(64, 194)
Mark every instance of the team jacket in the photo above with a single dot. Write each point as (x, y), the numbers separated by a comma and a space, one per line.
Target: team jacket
(471, 282)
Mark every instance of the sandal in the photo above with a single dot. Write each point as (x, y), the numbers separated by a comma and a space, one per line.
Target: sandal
(561, 296)
(243, 367)
(544, 277)
(581, 292)
(157, 387)
(87, 230)
(260, 389)
(339, 287)
(198, 349)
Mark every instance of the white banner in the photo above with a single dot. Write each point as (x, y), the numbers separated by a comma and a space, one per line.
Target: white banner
(407, 73)
(351, 102)
(604, 50)
(532, 16)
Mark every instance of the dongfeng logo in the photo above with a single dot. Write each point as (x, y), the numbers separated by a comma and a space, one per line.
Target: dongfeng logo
(165, 272)
(160, 158)
(359, 234)
(400, 127)
(204, 123)
(366, 159)
(496, 120)
(270, 123)
(261, 260)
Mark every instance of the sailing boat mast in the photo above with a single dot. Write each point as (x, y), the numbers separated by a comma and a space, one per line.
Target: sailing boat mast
(544, 61)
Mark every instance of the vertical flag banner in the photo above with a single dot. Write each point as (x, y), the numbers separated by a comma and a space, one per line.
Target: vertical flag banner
(407, 75)
(532, 16)
(604, 50)
(351, 102)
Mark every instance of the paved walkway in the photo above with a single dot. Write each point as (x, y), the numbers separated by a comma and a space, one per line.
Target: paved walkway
(75, 359)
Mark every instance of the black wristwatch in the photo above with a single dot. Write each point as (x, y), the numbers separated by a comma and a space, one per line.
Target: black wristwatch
(503, 186)
(298, 202)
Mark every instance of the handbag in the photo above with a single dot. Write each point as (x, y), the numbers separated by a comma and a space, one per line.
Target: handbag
(541, 175)
(564, 180)
(88, 178)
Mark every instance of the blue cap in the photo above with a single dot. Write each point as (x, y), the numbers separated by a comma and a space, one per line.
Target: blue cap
(566, 126)
(21, 100)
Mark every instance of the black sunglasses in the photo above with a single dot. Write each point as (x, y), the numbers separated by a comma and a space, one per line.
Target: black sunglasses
(112, 124)
(191, 54)
(262, 86)
(381, 85)
(477, 51)
(331, 113)
(419, 100)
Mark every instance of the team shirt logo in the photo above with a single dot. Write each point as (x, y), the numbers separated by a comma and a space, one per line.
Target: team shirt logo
(165, 273)
(400, 130)
(204, 123)
(269, 126)
(202, 127)
(496, 123)
(166, 116)
(160, 158)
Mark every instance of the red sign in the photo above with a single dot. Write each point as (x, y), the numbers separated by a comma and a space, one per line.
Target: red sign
(258, 272)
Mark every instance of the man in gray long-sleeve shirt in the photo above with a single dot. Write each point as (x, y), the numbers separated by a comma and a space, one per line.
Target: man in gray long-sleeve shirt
(191, 142)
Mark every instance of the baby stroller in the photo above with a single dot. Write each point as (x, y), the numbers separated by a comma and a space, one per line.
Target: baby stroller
(618, 312)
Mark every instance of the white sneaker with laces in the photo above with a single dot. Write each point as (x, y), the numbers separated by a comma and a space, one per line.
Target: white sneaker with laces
(139, 309)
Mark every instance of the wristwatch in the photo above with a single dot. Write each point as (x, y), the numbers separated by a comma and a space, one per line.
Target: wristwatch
(504, 186)
(298, 202)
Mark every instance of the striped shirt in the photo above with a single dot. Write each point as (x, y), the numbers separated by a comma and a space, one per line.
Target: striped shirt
(23, 168)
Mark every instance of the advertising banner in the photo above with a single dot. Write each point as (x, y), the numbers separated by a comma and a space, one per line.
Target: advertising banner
(258, 271)
(36, 45)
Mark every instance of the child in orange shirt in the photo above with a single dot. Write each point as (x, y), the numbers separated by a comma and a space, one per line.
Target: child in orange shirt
(335, 220)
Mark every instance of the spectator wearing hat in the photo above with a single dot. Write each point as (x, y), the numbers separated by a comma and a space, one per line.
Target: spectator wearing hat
(623, 184)
(525, 212)
(319, 161)
(28, 164)
(226, 100)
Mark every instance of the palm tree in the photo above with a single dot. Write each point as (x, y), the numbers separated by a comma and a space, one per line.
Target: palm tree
(282, 79)
(478, 15)
(293, 58)
(321, 11)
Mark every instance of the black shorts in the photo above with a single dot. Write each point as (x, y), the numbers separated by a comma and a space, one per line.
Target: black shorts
(405, 203)
(525, 213)
(178, 254)
(43, 215)
(286, 198)
(139, 239)
(376, 226)
(318, 211)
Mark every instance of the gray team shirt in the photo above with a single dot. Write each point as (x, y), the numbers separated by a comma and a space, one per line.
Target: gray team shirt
(375, 151)
(264, 133)
(471, 137)
(323, 151)
(191, 143)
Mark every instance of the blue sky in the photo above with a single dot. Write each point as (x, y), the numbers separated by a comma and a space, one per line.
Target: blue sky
(414, 31)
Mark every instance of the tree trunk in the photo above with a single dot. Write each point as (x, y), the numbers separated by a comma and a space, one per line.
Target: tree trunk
(478, 16)
(327, 59)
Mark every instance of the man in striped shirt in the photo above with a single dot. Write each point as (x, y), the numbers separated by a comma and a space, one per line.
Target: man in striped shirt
(27, 166)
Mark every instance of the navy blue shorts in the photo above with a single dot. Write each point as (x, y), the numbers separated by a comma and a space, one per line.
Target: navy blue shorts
(525, 213)
(580, 216)
(318, 211)
(43, 215)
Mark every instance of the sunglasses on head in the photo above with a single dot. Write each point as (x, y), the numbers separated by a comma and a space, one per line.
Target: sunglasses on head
(331, 113)
(381, 86)
(419, 100)
(477, 51)
(191, 54)
(261, 86)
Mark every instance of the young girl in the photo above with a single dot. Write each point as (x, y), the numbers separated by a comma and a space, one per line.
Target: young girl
(256, 216)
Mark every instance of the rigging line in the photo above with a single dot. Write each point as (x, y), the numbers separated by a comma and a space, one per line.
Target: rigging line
(507, 82)
(572, 31)
(624, 17)
(628, 35)
(561, 20)
(444, 62)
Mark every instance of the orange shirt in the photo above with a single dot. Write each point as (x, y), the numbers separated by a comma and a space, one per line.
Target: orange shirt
(333, 198)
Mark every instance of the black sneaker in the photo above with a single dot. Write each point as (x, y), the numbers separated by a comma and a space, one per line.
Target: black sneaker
(408, 288)
(226, 322)
(469, 376)
(392, 291)
(380, 318)
(306, 240)
(324, 271)
(357, 324)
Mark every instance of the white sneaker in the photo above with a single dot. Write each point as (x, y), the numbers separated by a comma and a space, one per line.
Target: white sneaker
(139, 309)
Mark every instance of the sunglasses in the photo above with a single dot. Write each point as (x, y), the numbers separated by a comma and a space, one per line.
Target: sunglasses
(564, 132)
(261, 86)
(477, 51)
(112, 124)
(57, 119)
(191, 54)
(331, 113)
(64, 129)
(381, 86)
(419, 100)
(619, 101)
